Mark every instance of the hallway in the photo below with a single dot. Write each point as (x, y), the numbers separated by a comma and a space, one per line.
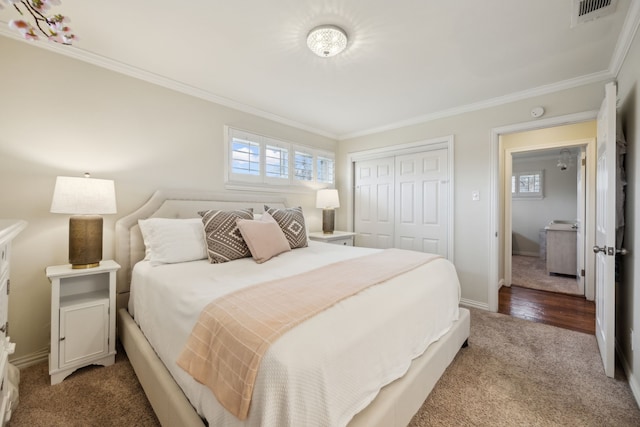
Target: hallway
(564, 311)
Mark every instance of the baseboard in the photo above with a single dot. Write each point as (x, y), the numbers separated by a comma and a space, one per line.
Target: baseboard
(501, 283)
(631, 379)
(30, 359)
(474, 304)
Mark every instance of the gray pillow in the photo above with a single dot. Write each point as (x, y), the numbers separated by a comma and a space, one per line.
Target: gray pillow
(291, 221)
(224, 240)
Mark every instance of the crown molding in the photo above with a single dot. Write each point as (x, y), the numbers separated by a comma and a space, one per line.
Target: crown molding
(77, 53)
(603, 76)
(620, 52)
(628, 32)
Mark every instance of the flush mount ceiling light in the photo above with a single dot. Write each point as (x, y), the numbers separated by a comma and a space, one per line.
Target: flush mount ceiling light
(327, 40)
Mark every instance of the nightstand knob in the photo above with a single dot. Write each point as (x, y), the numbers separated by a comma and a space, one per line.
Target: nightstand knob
(62, 338)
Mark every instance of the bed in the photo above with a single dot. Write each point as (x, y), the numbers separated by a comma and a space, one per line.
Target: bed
(177, 399)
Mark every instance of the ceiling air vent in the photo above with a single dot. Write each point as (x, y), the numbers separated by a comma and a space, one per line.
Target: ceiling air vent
(588, 10)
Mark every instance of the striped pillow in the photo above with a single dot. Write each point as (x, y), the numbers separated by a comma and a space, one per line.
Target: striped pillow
(224, 240)
(291, 221)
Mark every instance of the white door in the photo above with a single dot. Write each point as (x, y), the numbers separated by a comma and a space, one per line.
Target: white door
(421, 202)
(373, 207)
(606, 229)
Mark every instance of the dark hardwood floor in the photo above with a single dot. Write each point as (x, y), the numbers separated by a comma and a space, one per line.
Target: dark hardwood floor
(564, 311)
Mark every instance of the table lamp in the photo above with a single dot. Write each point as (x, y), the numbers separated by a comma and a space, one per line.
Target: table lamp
(85, 199)
(327, 200)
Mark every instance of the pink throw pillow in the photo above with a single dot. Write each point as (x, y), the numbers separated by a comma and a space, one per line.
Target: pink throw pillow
(264, 237)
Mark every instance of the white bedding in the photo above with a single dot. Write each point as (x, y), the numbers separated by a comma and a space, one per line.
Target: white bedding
(323, 371)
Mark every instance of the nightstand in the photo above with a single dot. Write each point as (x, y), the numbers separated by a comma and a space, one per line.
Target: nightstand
(344, 238)
(83, 318)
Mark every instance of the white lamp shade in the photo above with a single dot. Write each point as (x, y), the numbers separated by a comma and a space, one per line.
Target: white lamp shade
(83, 196)
(327, 199)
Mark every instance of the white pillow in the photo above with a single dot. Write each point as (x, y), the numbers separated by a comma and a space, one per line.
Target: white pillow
(171, 240)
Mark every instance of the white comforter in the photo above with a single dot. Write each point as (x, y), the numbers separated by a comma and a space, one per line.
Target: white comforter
(322, 372)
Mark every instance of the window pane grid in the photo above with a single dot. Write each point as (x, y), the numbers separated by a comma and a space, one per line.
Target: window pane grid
(245, 157)
(529, 183)
(303, 165)
(325, 170)
(276, 162)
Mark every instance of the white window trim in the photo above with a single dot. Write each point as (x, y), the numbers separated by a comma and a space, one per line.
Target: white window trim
(233, 181)
(528, 196)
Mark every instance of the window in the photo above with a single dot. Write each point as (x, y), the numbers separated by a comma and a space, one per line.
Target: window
(277, 162)
(245, 157)
(304, 166)
(259, 162)
(527, 185)
(325, 169)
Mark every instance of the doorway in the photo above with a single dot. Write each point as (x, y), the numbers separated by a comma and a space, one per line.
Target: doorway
(547, 211)
(545, 202)
(572, 130)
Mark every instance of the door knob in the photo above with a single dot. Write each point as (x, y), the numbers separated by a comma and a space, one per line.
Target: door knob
(610, 251)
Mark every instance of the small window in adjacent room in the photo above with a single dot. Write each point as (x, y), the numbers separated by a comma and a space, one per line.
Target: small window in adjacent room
(527, 185)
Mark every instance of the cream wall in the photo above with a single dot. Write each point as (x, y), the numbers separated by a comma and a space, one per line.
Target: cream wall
(60, 116)
(472, 171)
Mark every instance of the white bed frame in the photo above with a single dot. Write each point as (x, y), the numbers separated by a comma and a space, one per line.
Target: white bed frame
(396, 403)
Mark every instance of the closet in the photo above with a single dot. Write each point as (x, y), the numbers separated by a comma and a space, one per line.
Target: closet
(403, 200)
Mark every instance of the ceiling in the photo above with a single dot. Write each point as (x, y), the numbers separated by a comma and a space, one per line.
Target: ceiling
(407, 61)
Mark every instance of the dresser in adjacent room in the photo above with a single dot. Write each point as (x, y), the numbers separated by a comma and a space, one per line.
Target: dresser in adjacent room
(9, 229)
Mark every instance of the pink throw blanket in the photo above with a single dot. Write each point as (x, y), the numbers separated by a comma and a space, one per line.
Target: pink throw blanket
(233, 332)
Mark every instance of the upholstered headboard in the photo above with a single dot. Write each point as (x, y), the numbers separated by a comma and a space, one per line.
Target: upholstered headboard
(172, 204)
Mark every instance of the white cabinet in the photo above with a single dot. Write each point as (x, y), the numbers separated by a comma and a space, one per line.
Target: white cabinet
(561, 252)
(8, 230)
(344, 238)
(82, 318)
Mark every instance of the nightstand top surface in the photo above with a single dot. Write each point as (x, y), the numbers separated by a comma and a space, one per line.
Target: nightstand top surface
(332, 236)
(67, 271)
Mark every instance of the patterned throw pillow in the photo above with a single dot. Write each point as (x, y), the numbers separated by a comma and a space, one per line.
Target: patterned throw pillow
(224, 241)
(291, 221)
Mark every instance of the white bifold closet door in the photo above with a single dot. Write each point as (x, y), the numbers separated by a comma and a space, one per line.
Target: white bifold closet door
(402, 201)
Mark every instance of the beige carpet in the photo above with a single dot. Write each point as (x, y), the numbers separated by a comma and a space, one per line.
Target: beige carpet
(531, 272)
(91, 396)
(514, 373)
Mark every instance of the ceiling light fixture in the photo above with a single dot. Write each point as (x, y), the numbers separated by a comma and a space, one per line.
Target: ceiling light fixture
(565, 160)
(327, 40)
